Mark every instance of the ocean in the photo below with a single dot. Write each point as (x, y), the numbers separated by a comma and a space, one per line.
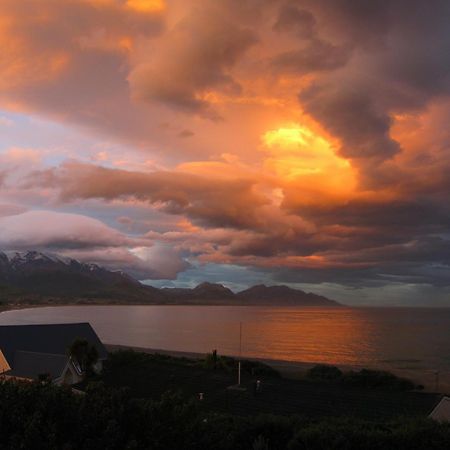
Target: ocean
(414, 339)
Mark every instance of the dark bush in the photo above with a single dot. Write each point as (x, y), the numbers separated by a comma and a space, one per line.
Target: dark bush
(377, 379)
(345, 434)
(229, 364)
(324, 372)
(43, 416)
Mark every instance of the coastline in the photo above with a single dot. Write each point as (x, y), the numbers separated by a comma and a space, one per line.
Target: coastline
(289, 369)
(298, 369)
(9, 307)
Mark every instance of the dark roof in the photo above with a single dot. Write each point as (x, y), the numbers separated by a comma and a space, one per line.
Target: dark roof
(52, 339)
(31, 365)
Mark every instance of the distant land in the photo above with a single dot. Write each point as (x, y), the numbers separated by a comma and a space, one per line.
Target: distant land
(42, 278)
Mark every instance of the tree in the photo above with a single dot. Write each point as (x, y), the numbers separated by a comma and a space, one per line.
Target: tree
(84, 354)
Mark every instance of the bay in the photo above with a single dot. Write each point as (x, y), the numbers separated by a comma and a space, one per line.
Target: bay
(406, 338)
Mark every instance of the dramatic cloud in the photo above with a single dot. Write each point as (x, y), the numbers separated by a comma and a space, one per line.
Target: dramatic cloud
(175, 192)
(396, 68)
(192, 59)
(306, 141)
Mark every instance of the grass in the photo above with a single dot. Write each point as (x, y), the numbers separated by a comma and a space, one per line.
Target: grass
(149, 376)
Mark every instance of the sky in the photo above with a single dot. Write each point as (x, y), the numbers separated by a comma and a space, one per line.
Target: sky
(299, 142)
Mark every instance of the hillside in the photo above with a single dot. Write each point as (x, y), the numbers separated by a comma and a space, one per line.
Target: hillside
(36, 277)
(284, 295)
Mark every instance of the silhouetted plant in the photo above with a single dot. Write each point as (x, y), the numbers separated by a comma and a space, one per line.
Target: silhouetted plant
(377, 379)
(36, 416)
(324, 372)
(260, 443)
(84, 354)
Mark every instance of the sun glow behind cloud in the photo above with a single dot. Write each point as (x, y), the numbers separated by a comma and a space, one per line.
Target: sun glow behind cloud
(300, 157)
(147, 6)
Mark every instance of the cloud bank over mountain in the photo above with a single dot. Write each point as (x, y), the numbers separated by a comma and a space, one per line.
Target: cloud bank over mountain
(303, 140)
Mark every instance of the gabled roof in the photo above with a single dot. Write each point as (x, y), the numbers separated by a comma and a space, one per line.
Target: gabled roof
(441, 412)
(31, 365)
(51, 339)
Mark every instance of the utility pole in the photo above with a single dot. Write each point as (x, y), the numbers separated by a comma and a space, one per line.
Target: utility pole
(240, 353)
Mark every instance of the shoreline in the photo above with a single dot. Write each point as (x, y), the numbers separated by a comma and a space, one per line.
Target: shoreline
(7, 307)
(297, 369)
(289, 369)
(18, 306)
(285, 367)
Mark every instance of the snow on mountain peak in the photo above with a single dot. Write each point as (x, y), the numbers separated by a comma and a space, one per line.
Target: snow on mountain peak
(19, 258)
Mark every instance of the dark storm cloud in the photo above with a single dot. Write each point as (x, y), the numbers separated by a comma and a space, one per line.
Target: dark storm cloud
(398, 64)
(295, 20)
(416, 214)
(351, 114)
(315, 56)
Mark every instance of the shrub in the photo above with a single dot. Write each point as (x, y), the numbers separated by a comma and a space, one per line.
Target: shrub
(44, 416)
(365, 378)
(324, 372)
(260, 443)
(227, 363)
(377, 379)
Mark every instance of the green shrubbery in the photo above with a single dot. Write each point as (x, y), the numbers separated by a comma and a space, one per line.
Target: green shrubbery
(37, 416)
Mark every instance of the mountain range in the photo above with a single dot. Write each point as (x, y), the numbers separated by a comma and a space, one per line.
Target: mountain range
(36, 277)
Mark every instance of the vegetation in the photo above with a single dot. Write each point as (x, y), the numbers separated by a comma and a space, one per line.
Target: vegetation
(378, 379)
(43, 416)
(229, 364)
(84, 354)
(151, 375)
(365, 378)
(324, 372)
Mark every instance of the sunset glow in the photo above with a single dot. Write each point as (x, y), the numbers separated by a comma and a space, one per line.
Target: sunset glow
(146, 6)
(300, 142)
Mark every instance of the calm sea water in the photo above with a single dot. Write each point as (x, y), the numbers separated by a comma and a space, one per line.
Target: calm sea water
(395, 338)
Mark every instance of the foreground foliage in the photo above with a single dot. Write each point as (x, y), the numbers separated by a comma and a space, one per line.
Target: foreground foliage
(42, 416)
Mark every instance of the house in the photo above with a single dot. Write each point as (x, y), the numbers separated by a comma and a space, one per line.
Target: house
(441, 412)
(31, 351)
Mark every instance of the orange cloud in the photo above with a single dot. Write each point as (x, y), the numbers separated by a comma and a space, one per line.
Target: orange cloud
(146, 6)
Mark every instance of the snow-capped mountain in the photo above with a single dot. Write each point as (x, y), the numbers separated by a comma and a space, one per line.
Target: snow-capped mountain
(50, 274)
(43, 277)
